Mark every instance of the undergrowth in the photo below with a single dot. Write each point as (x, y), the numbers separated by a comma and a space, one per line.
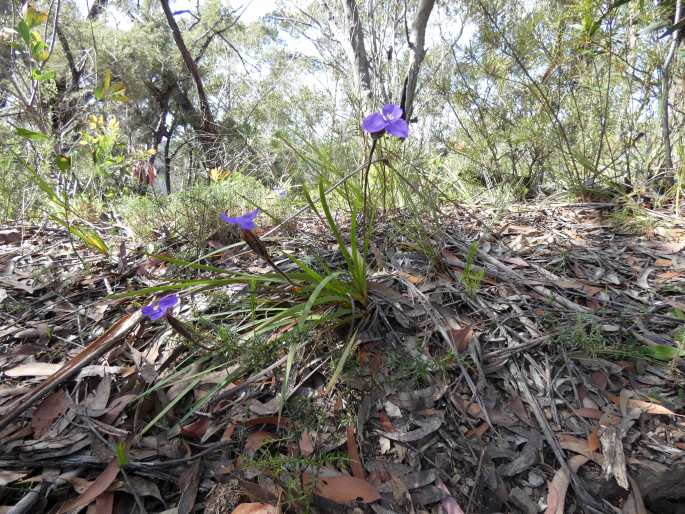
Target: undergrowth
(633, 219)
(191, 215)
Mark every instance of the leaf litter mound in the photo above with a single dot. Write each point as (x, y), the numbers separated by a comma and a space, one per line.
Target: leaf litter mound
(540, 371)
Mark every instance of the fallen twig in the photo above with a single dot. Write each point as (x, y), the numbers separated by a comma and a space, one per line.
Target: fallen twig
(90, 353)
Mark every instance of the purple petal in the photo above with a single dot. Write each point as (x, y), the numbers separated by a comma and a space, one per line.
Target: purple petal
(392, 112)
(245, 222)
(398, 128)
(157, 314)
(153, 312)
(225, 217)
(374, 122)
(250, 216)
(234, 220)
(165, 302)
(148, 310)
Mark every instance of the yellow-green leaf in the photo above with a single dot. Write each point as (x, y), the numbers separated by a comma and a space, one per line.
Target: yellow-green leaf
(34, 17)
(30, 134)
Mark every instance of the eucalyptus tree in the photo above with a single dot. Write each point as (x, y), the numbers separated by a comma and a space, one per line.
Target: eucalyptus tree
(378, 47)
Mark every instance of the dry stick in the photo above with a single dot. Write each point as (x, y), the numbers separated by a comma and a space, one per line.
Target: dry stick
(478, 475)
(252, 379)
(111, 448)
(180, 328)
(258, 247)
(588, 502)
(91, 352)
(144, 465)
(556, 298)
(30, 499)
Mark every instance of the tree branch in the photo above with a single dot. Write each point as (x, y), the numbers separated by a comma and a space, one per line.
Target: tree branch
(208, 124)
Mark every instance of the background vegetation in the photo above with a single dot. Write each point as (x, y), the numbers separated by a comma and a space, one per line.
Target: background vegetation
(507, 101)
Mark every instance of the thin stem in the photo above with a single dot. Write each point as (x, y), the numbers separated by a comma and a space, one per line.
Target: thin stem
(366, 181)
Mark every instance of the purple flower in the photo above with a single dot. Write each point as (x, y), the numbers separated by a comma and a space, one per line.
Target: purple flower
(281, 192)
(388, 120)
(245, 222)
(157, 309)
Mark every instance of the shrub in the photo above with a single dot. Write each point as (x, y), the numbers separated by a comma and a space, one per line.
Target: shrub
(194, 214)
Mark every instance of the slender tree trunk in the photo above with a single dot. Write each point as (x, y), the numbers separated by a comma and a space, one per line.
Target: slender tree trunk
(418, 52)
(350, 33)
(665, 90)
(665, 124)
(361, 59)
(167, 158)
(159, 133)
(210, 136)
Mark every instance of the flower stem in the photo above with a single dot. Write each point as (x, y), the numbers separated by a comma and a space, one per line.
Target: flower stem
(184, 331)
(257, 247)
(366, 182)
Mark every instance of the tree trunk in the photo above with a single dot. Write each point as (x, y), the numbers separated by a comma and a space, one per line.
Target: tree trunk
(167, 158)
(418, 52)
(209, 137)
(665, 90)
(361, 59)
(352, 40)
(356, 49)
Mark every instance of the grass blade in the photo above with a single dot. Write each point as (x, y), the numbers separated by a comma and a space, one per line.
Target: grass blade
(341, 363)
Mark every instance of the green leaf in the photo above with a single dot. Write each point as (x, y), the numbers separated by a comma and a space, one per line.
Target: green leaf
(24, 32)
(183, 372)
(39, 50)
(310, 201)
(292, 351)
(662, 352)
(584, 161)
(118, 92)
(595, 26)
(190, 264)
(107, 79)
(63, 162)
(334, 227)
(312, 299)
(677, 313)
(43, 76)
(45, 186)
(173, 401)
(109, 90)
(122, 458)
(205, 399)
(341, 363)
(31, 135)
(34, 17)
(90, 238)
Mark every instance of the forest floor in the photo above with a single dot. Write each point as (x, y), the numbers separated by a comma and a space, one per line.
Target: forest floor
(552, 382)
